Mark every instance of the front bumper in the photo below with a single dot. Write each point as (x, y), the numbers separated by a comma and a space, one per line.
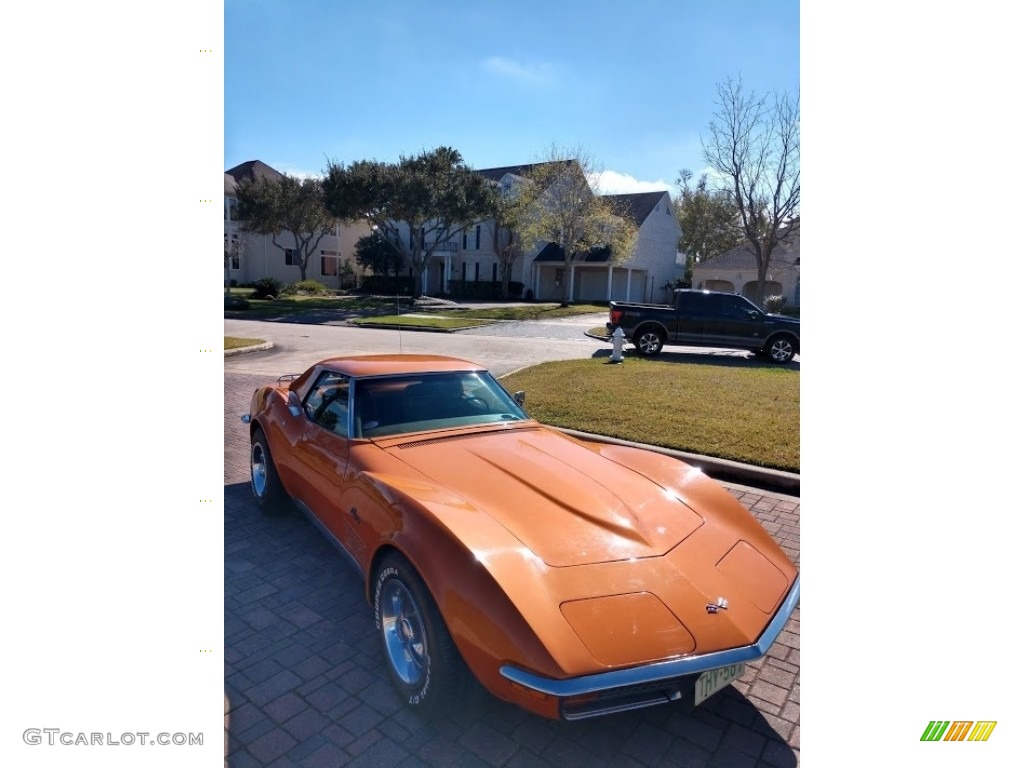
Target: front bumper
(650, 684)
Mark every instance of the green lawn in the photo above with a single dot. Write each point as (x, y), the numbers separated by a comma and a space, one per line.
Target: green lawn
(288, 305)
(234, 342)
(528, 312)
(415, 321)
(748, 413)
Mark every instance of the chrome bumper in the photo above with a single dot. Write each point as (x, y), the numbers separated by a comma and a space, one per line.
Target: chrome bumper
(659, 671)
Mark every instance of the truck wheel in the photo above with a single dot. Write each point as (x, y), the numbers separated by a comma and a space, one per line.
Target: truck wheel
(648, 342)
(780, 349)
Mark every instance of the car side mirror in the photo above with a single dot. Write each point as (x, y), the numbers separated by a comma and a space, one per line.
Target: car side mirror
(294, 406)
(520, 398)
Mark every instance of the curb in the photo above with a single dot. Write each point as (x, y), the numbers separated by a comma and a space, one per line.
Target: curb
(720, 469)
(422, 328)
(253, 348)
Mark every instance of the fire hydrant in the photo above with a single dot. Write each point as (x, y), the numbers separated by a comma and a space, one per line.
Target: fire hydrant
(617, 340)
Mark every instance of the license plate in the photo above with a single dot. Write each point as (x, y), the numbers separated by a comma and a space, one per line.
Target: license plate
(715, 680)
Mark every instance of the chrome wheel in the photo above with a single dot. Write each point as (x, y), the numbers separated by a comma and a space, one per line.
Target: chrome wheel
(266, 487)
(649, 343)
(258, 466)
(781, 350)
(404, 636)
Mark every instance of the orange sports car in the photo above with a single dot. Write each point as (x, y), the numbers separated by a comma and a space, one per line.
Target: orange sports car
(571, 578)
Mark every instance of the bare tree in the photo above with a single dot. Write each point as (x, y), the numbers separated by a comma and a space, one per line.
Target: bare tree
(560, 207)
(753, 148)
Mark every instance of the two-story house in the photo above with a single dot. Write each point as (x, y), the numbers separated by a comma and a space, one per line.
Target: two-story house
(470, 255)
(252, 256)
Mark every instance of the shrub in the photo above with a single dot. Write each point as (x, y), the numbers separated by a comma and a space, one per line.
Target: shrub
(483, 289)
(773, 304)
(266, 286)
(387, 286)
(790, 312)
(308, 288)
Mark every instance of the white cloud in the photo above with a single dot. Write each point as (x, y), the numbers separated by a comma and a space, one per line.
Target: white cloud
(614, 183)
(536, 74)
(299, 173)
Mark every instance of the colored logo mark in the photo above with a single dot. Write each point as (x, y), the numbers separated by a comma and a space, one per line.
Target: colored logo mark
(958, 730)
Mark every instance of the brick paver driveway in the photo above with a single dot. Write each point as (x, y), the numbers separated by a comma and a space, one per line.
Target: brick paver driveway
(306, 684)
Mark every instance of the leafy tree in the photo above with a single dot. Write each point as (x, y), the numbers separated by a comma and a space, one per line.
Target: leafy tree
(557, 205)
(417, 203)
(379, 255)
(290, 205)
(505, 213)
(753, 147)
(708, 219)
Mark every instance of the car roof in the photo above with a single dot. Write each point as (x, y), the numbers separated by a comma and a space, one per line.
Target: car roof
(388, 365)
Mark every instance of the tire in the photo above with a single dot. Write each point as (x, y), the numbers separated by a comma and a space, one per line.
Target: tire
(423, 662)
(780, 349)
(648, 342)
(266, 486)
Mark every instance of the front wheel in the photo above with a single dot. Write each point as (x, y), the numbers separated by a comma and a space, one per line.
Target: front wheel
(425, 666)
(780, 349)
(648, 342)
(266, 486)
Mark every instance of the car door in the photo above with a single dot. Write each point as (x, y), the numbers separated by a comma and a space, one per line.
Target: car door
(692, 311)
(321, 453)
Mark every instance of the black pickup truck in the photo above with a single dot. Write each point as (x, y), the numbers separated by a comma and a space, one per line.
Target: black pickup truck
(706, 319)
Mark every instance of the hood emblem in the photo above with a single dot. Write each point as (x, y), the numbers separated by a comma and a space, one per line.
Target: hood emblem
(721, 605)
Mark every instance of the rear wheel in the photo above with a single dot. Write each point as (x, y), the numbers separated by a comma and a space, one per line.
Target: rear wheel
(425, 666)
(648, 341)
(266, 486)
(780, 349)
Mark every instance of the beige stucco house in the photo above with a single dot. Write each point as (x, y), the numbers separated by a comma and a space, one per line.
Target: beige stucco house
(256, 256)
(735, 271)
(470, 255)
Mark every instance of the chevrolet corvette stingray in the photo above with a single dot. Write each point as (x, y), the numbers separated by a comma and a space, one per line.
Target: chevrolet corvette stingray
(571, 578)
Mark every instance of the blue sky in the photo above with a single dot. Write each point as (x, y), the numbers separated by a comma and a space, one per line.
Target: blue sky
(632, 83)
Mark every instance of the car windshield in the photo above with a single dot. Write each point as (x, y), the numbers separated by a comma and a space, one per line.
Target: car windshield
(395, 405)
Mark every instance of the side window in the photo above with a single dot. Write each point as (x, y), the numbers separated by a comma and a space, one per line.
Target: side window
(695, 304)
(327, 402)
(736, 307)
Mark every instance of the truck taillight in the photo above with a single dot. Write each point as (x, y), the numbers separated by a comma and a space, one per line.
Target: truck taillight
(614, 315)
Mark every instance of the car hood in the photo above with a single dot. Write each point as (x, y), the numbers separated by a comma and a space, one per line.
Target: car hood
(566, 503)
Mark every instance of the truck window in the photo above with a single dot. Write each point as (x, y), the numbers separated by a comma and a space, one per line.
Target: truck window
(736, 307)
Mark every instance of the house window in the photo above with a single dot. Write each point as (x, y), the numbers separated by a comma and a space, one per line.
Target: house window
(478, 237)
(465, 240)
(329, 265)
(289, 258)
(463, 271)
(494, 272)
(234, 253)
(477, 275)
